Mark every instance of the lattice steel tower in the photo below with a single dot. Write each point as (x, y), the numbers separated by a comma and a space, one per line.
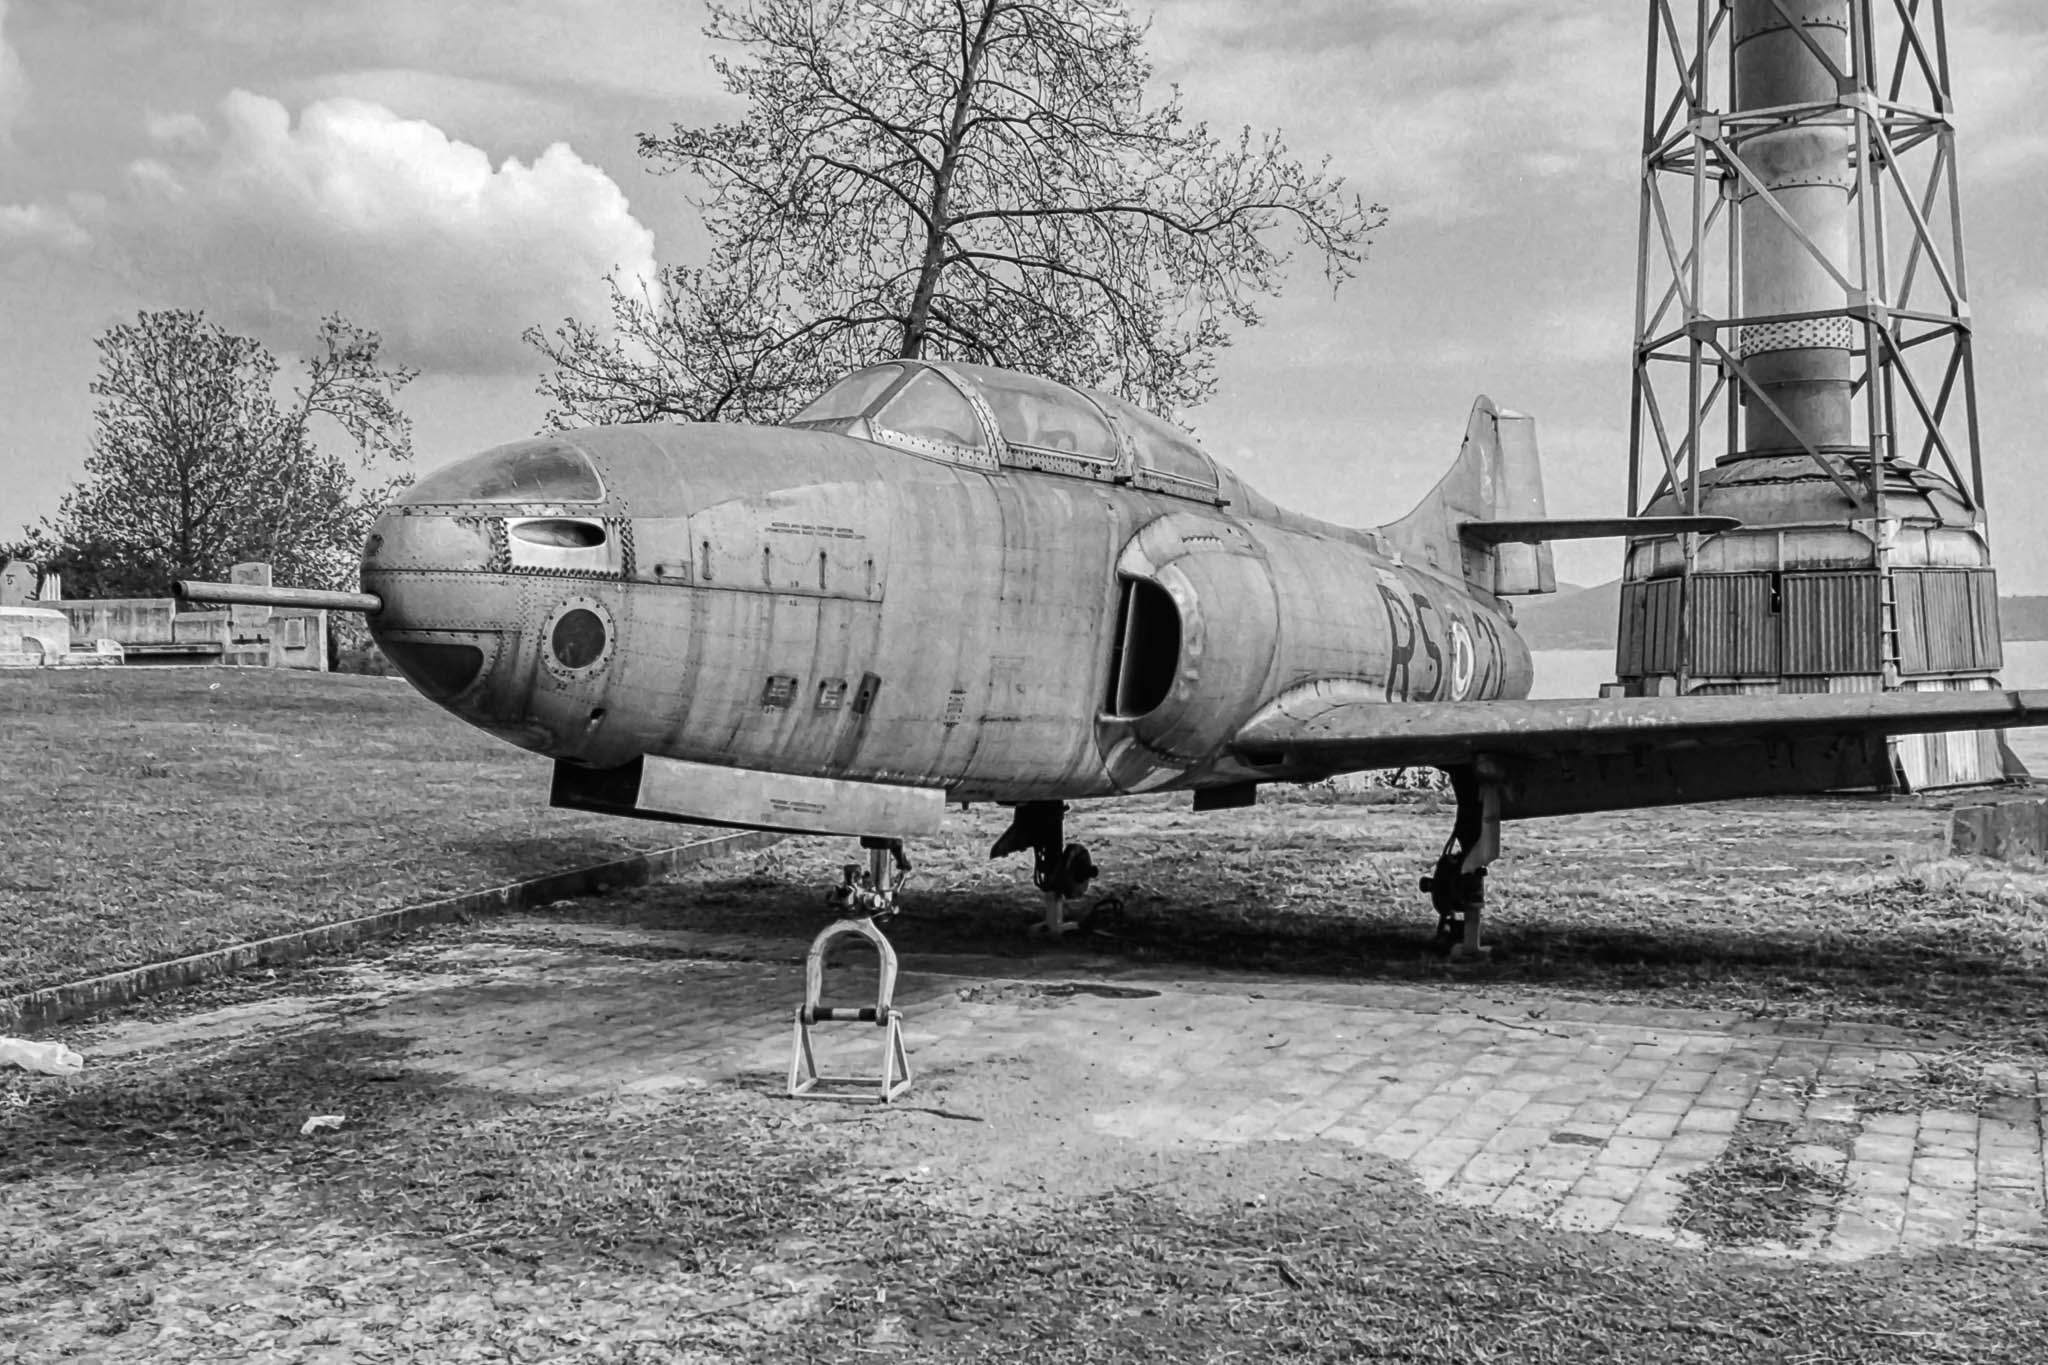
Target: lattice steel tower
(1802, 362)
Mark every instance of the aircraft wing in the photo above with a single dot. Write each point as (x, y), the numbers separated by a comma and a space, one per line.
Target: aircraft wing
(1557, 757)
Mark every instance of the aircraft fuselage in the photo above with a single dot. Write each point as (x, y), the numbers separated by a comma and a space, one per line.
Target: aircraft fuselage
(809, 603)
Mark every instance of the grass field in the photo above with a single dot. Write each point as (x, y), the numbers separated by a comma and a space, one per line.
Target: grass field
(152, 812)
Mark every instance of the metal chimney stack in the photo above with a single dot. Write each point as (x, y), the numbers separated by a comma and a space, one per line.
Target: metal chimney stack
(1802, 362)
(1794, 263)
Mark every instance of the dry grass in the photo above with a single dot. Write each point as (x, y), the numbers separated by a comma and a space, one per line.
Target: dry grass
(152, 812)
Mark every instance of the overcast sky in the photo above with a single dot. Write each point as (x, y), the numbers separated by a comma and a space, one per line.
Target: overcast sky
(448, 173)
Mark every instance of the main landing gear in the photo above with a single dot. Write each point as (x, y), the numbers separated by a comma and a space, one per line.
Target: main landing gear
(1458, 886)
(1060, 870)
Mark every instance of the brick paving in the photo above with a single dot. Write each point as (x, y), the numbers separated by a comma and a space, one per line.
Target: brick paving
(1583, 1115)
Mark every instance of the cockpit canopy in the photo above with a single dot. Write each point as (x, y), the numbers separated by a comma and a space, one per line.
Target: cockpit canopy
(983, 416)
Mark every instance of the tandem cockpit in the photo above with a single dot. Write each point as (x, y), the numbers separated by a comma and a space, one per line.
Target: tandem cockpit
(981, 416)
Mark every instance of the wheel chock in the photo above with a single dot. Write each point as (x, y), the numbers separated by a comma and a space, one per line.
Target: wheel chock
(804, 1076)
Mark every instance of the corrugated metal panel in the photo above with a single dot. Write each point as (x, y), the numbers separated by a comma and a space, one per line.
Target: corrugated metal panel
(1952, 759)
(1951, 635)
(1734, 630)
(1839, 682)
(1831, 622)
(1648, 641)
(1909, 614)
(1984, 602)
(1948, 620)
(1755, 687)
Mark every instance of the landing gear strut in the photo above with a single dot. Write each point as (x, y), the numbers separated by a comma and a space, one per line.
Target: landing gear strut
(1458, 886)
(1060, 870)
(871, 894)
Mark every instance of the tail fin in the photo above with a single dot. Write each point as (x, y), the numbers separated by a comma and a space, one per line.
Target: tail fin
(1496, 478)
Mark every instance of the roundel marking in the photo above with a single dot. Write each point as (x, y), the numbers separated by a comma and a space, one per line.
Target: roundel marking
(1463, 661)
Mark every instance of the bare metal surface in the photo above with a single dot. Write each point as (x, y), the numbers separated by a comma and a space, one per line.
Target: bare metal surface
(258, 595)
(1587, 528)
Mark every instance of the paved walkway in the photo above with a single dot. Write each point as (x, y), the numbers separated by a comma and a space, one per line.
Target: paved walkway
(1587, 1116)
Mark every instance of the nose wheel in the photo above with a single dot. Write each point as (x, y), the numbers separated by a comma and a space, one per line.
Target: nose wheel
(1061, 871)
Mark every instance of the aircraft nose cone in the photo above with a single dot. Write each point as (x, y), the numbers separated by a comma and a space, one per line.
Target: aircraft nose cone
(404, 545)
(436, 626)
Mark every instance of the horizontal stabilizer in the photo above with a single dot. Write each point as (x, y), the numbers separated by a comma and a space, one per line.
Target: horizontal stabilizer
(1537, 530)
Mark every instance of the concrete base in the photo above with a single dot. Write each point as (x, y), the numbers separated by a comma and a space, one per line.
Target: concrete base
(2013, 830)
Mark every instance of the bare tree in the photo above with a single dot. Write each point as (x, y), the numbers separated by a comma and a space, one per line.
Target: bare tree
(196, 465)
(970, 179)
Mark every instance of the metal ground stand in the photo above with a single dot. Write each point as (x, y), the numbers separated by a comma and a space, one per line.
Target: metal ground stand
(875, 892)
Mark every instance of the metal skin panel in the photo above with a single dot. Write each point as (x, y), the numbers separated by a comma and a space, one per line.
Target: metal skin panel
(704, 792)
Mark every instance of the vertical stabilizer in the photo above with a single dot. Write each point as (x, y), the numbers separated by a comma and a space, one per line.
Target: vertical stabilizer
(1496, 477)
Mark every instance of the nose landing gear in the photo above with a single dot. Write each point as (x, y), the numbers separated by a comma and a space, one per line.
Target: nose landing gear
(871, 894)
(1060, 870)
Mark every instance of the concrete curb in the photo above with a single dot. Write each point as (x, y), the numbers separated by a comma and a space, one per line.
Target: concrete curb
(57, 1004)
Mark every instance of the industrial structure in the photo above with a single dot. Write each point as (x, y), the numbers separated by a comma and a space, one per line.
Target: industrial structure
(1802, 363)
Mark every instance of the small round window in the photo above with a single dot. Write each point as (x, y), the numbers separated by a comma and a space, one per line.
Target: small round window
(578, 637)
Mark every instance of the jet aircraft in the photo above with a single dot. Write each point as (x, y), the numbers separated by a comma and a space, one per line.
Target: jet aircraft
(946, 583)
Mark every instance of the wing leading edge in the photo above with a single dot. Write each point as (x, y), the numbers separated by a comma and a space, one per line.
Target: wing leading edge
(1559, 757)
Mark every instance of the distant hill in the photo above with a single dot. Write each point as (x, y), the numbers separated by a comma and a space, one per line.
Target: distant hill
(1584, 618)
(1575, 618)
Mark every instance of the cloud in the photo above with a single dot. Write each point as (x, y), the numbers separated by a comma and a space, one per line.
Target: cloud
(1443, 113)
(271, 225)
(2022, 312)
(62, 227)
(186, 132)
(13, 84)
(1999, 69)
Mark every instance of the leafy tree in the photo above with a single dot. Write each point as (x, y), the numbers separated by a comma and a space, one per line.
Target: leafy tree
(89, 568)
(196, 464)
(970, 179)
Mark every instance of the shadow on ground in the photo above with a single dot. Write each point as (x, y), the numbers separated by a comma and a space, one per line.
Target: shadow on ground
(1813, 913)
